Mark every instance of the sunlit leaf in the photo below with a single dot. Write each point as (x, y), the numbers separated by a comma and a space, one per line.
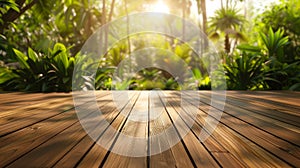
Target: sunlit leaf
(22, 58)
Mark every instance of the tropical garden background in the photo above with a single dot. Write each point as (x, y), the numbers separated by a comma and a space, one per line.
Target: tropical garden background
(40, 42)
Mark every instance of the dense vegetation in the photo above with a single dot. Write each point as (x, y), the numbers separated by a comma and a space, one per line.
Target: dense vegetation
(40, 43)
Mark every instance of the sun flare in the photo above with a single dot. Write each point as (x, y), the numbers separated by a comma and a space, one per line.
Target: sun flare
(160, 7)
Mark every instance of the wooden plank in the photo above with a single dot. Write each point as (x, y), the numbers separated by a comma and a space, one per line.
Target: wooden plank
(56, 147)
(270, 125)
(36, 101)
(240, 150)
(19, 97)
(161, 137)
(49, 152)
(74, 156)
(97, 155)
(278, 128)
(245, 151)
(18, 143)
(266, 141)
(282, 99)
(136, 126)
(19, 100)
(25, 118)
(290, 117)
(216, 149)
(28, 115)
(29, 108)
(274, 127)
(199, 154)
(226, 159)
(250, 134)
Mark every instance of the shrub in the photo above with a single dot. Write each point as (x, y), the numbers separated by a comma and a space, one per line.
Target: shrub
(245, 72)
(39, 72)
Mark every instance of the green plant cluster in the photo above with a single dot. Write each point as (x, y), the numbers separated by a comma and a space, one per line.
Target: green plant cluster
(151, 78)
(40, 44)
(39, 72)
(263, 67)
(53, 71)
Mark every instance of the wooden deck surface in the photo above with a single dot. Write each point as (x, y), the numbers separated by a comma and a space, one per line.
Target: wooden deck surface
(257, 129)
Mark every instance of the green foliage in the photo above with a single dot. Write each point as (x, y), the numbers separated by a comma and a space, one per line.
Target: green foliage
(183, 51)
(273, 63)
(226, 18)
(285, 16)
(203, 81)
(51, 21)
(116, 54)
(276, 73)
(40, 72)
(61, 67)
(6, 5)
(5, 74)
(151, 78)
(103, 79)
(229, 22)
(273, 43)
(249, 48)
(245, 72)
(285, 76)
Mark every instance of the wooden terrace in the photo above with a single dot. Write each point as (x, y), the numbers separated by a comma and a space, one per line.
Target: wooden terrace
(257, 129)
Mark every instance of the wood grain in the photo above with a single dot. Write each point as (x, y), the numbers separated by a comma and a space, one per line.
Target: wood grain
(257, 129)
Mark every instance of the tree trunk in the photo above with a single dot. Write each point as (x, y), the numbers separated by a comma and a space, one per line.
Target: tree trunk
(183, 20)
(103, 17)
(111, 10)
(201, 5)
(204, 16)
(103, 20)
(107, 21)
(227, 44)
(128, 35)
(204, 21)
(222, 4)
(227, 4)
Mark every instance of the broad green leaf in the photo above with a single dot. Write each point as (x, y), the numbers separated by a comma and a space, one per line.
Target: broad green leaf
(59, 47)
(5, 75)
(65, 60)
(22, 58)
(264, 39)
(197, 73)
(295, 87)
(11, 4)
(62, 57)
(2, 37)
(14, 7)
(32, 55)
(271, 38)
(246, 47)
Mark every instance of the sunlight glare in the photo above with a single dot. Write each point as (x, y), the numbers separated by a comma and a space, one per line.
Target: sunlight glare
(160, 7)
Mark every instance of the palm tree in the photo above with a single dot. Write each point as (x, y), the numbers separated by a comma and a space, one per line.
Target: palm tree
(229, 22)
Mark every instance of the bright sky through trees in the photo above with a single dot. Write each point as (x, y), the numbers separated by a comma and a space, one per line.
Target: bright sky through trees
(160, 7)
